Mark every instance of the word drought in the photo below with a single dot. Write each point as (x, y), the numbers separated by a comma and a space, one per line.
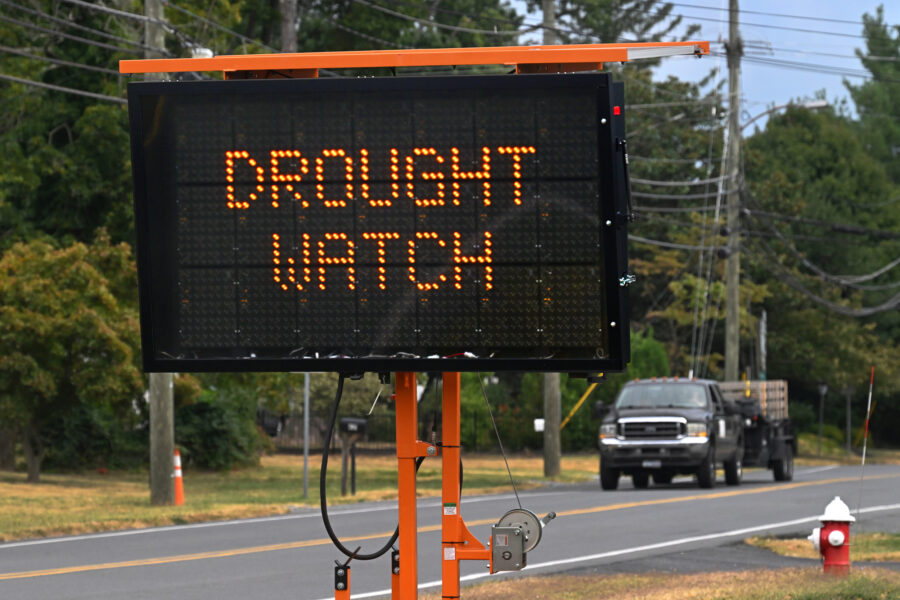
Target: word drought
(288, 272)
(443, 170)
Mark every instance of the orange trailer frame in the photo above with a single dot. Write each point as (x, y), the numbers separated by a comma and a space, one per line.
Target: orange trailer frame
(526, 59)
(457, 542)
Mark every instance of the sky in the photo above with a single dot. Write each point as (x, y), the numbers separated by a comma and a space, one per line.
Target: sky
(765, 85)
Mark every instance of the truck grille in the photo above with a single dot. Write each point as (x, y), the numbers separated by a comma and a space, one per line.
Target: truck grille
(657, 430)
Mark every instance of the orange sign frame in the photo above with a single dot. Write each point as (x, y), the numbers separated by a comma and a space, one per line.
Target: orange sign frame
(526, 59)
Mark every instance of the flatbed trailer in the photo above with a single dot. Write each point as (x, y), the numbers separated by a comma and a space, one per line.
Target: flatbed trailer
(769, 439)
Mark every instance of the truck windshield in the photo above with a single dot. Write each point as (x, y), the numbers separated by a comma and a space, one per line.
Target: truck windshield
(662, 396)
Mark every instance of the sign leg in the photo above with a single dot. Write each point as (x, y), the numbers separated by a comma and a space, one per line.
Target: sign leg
(407, 421)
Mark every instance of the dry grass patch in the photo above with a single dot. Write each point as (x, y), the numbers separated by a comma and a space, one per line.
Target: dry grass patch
(786, 584)
(90, 502)
(872, 547)
(835, 453)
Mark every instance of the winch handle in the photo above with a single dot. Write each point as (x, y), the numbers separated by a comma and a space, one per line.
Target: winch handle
(549, 517)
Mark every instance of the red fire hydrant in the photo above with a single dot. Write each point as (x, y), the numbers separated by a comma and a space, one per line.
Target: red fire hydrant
(832, 540)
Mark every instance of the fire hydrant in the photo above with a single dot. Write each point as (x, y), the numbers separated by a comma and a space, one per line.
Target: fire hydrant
(832, 540)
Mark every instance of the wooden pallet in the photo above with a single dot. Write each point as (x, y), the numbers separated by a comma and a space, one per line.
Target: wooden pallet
(771, 395)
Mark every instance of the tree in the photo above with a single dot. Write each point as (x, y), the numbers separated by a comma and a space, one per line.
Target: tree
(67, 340)
(816, 218)
(610, 21)
(878, 99)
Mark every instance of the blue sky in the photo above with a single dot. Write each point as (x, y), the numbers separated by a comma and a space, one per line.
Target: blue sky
(766, 85)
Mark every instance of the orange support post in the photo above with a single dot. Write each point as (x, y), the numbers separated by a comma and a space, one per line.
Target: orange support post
(451, 536)
(457, 542)
(407, 426)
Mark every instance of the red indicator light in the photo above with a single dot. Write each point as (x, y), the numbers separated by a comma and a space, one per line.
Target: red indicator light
(617, 110)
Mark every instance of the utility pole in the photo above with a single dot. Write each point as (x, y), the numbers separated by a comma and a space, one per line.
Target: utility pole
(733, 262)
(162, 419)
(552, 395)
(288, 25)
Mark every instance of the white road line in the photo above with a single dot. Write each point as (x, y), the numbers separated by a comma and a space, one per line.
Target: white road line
(636, 549)
(817, 470)
(432, 503)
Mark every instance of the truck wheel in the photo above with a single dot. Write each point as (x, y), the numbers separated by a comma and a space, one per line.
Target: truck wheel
(784, 468)
(640, 479)
(734, 471)
(662, 477)
(706, 473)
(609, 478)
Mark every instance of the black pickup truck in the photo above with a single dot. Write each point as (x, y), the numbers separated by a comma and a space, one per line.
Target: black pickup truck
(665, 427)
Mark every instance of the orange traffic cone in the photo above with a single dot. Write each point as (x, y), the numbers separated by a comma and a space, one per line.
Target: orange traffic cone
(179, 484)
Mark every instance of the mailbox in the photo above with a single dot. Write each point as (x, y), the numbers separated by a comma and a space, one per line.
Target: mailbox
(357, 425)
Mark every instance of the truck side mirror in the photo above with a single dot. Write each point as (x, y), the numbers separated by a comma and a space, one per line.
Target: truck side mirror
(600, 409)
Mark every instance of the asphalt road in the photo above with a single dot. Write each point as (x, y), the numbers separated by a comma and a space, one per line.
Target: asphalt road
(673, 527)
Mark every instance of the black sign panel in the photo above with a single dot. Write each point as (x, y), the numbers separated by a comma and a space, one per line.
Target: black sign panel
(439, 223)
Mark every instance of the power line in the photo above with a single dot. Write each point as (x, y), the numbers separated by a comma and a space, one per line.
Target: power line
(651, 159)
(677, 183)
(68, 23)
(57, 61)
(67, 35)
(782, 275)
(837, 227)
(812, 67)
(770, 14)
(368, 37)
(113, 11)
(662, 244)
(59, 88)
(212, 23)
(137, 17)
(829, 276)
(662, 104)
(671, 209)
(430, 23)
(459, 13)
(778, 27)
(698, 196)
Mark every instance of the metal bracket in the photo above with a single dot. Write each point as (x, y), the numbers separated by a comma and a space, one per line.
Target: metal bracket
(627, 280)
(395, 562)
(341, 577)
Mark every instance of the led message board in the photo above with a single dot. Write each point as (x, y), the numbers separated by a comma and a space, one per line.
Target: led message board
(382, 224)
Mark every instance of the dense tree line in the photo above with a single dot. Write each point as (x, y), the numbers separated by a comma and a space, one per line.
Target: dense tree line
(820, 211)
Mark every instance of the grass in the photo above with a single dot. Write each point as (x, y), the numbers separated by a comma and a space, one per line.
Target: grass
(81, 503)
(835, 452)
(874, 547)
(785, 584)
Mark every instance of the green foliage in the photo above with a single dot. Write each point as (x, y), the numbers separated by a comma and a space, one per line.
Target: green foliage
(88, 436)
(611, 21)
(812, 165)
(803, 416)
(878, 99)
(518, 399)
(67, 341)
(219, 431)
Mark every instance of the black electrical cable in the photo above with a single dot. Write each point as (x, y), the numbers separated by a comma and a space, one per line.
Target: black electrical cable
(323, 499)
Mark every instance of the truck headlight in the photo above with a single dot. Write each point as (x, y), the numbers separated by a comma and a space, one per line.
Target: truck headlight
(697, 429)
(608, 430)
